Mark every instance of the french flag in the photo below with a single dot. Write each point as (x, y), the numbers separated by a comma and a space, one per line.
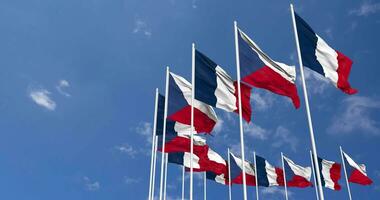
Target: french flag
(216, 88)
(356, 173)
(221, 178)
(236, 167)
(267, 175)
(330, 172)
(184, 159)
(296, 175)
(259, 70)
(179, 106)
(320, 57)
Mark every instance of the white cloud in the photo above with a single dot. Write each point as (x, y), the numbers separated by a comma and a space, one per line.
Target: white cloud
(329, 33)
(262, 100)
(141, 27)
(62, 84)
(316, 83)
(218, 126)
(129, 180)
(274, 190)
(283, 137)
(127, 149)
(355, 115)
(256, 131)
(41, 97)
(194, 4)
(91, 185)
(145, 129)
(366, 8)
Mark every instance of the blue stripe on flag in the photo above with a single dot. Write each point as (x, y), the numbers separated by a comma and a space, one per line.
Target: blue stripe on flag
(235, 169)
(288, 171)
(308, 45)
(176, 99)
(320, 170)
(262, 178)
(249, 59)
(176, 158)
(205, 79)
(160, 114)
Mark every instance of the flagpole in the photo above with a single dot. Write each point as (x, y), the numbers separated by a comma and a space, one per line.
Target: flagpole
(345, 173)
(229, 175)
(183, 182)
(153, 141)
(166, 174)
(154, 165)
(256, 179)
(204, 186)
(164, 132)
(192, 118)
(240, 110)
(313, 145)
(285, 183)
(315, 180)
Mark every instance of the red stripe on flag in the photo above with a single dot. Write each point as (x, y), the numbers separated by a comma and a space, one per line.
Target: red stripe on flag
(344, 68)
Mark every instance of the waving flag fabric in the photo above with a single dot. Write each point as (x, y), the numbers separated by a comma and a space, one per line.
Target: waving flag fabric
(356, 173)
(296, 175)
(267, 175)
(320, 57)
(215, 87)
(259, 70)
(237, 173)
(211, 161)
(330, 172)
(221, 178)
(184, 159)
(179, 106)
(181, 143)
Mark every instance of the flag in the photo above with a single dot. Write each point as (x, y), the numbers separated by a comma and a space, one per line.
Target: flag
(296, 175)
(321, 58)
(216, 88)
(236, 167)
(356, 173)
(259, 70)
(330, 173)
(179, 106)
(211, 161)
(181, 143)
(184, 159)
(267, 175)
(221, 178)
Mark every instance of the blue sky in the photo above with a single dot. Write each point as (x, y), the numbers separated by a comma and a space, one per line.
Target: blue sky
(77, 88)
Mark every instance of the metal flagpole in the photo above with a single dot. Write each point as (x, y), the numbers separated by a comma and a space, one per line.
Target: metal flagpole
(240, 110)
(345, 173)
(153, 141)
(229, 176)
(313, 146)
(154, 166)
(256, 179)
(283, 169)
(204, 186)
(164, 132)
(192, 118)
(183, 182)
(315, 180)
(166, 174)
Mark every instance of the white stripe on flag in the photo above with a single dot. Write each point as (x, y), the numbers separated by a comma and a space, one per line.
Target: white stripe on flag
(326, 167)
(225, 98)
(271, 174)
(351, 162)
(299, 170)
(328, 58)
(248, 167)
(186, 160)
